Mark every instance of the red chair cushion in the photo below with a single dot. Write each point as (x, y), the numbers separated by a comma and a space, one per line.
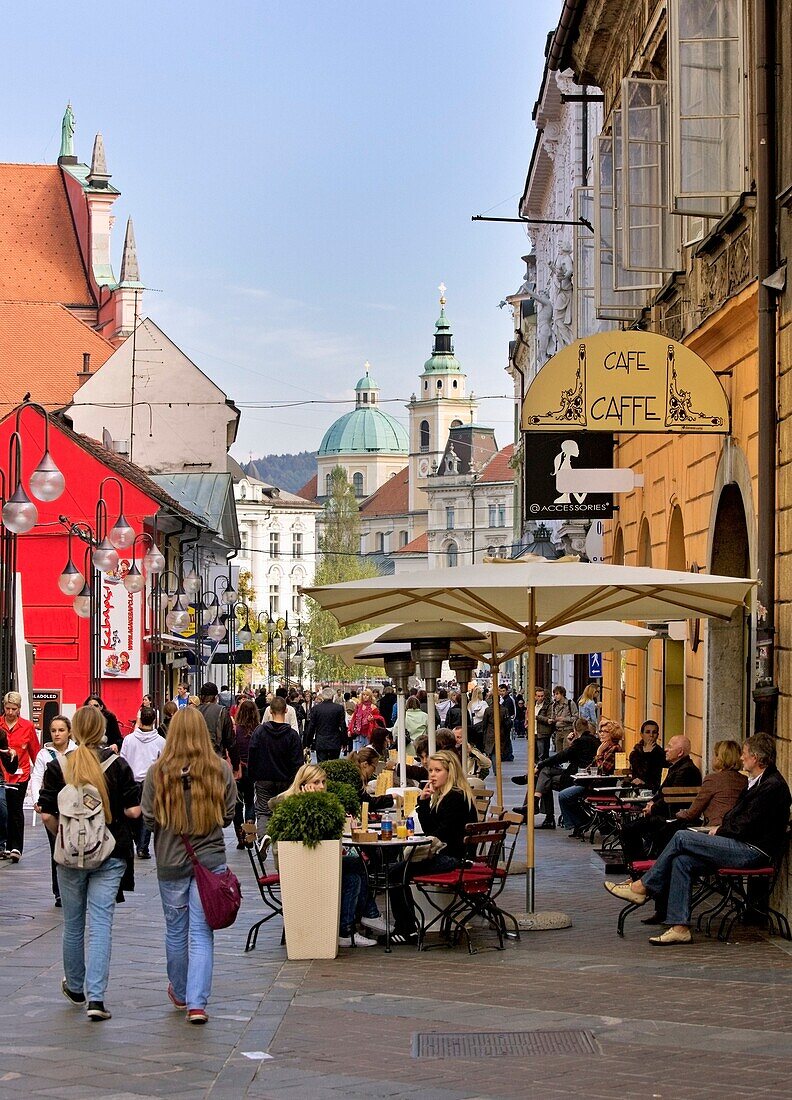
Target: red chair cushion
(747, 872)
(472, 877)
(269, 880)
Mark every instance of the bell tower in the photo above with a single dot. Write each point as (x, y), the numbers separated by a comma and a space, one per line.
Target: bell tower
(439, 405)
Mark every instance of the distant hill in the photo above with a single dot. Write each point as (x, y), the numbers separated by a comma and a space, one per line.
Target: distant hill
(289, 472)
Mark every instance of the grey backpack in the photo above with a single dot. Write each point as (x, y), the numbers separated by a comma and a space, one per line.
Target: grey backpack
(83, 839)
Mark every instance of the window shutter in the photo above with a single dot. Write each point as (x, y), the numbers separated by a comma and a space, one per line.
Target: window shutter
(650, 233)
(707, 101)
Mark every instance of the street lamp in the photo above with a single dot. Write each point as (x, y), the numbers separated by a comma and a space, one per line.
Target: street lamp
(71, 581)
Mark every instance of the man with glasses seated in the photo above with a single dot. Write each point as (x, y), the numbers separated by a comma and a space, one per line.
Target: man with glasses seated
(751, 835)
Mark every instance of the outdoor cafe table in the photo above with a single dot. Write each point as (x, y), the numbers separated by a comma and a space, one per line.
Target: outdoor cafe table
(389, 851)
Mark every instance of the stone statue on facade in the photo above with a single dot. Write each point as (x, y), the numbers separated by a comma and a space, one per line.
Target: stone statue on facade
(561, 297)
(67, 132)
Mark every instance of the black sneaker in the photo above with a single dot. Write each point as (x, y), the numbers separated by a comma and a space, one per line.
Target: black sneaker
(73, 998)
(520, 780)
(143, 853)
(399, 938)
(58, 903)
(97, 1011)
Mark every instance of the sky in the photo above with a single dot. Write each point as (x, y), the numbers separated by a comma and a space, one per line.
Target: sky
(301, 178)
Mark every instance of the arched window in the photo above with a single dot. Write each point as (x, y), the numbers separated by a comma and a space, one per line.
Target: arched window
(424, 430)
(456, 423)
(452, 554)
(328, 484)
(243, 490)
(357, 484)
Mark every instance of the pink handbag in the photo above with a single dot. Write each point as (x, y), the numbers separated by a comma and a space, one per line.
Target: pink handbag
(221, 895)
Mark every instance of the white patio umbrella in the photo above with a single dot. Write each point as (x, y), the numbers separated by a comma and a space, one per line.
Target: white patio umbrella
(519, 595)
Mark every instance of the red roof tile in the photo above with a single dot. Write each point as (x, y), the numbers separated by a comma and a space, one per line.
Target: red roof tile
(309, 490)
(391, 499)
(41, 352)
(419, 545)
(39, 249)
(498, 469)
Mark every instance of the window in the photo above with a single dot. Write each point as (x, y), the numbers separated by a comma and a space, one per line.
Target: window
(243, 490)
(708, 161)
(623, 279)
(439, 383)
(454, 383)
(493, 515)
(274, 599)
(328, 484)
(244, 539)
(404, 538)
(274, 544)
(650, 232)
(609, 303)
(365, 399)
(424, 435)
(297, 544)
(357, 484)
(585, 314)
(452, 555)
(456, 423)
(297, 603)
(381, 542)
(501, 515)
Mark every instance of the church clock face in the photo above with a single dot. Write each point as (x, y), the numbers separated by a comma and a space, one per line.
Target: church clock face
(423, 467)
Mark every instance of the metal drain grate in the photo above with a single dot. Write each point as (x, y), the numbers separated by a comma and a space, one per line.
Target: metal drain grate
(499, 1044)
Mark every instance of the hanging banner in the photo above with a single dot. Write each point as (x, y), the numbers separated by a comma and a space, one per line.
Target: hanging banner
(547, 453)
(120, 630)
(629, 381)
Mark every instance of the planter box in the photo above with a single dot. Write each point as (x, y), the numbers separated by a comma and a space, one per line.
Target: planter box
(310, 881)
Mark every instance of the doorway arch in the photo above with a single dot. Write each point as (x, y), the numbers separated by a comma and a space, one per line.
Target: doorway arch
(729, 643)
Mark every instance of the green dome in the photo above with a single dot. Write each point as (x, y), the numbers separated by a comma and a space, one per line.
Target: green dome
(365, 430)
(366, 382)
(442, 359)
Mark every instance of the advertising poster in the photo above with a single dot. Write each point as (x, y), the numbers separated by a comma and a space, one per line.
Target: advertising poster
(120, 630)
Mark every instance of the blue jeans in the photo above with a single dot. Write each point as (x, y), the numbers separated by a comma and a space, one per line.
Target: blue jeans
(350, 892)
(687, 856)
(189, 941)
(3, 817)
(570, 803)
(92, 894)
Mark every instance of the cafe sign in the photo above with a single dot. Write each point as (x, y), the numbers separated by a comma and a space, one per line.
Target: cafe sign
(626, 382)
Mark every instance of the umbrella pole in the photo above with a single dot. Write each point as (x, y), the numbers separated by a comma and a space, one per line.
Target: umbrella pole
(464, 713)
(401, 738)
(497, 723)
(530, 801)
(431, 718)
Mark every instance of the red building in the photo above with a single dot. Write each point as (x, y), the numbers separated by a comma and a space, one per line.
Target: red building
(59, 637)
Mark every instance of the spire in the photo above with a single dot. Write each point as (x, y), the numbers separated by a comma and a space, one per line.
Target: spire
(66, 155)
(442, 358)
(130, 272)
(98, 176)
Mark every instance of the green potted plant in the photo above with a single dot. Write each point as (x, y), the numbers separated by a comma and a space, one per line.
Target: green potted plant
(343, 771)
(347, 795)
(307, 829)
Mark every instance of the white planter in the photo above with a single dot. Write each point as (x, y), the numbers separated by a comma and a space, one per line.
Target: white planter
(310, 881)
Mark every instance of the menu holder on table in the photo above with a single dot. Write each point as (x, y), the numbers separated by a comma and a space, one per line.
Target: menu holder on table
(410, 801)
(384, 780)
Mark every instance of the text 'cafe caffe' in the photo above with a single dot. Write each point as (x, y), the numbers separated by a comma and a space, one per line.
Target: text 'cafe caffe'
(626, 382)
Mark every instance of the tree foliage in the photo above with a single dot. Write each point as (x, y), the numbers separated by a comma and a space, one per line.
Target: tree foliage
(339, 561)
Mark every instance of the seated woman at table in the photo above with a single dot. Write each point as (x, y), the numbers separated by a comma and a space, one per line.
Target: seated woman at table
(479, 765)
(417, 773)
(355, 896)
(444, 808)
(367, 760)
(570, 801)
(647, 759)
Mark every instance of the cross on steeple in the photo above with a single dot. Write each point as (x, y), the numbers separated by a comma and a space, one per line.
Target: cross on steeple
(442, 289)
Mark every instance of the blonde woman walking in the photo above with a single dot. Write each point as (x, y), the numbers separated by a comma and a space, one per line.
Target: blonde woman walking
(91, 892)
(189, 791)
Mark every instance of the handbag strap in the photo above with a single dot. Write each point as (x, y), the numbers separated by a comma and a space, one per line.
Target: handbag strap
(190, 849)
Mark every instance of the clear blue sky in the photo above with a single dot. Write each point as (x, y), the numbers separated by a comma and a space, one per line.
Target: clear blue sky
(301, 177)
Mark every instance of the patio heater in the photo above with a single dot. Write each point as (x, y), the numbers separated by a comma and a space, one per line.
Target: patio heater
(399, 668)
(430, 653)
(463, 668)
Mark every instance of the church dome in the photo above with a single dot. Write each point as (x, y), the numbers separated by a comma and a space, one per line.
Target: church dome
(442, 360)
(365, 431)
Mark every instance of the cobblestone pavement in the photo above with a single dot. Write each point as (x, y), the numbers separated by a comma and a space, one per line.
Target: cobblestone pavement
(710, 1020)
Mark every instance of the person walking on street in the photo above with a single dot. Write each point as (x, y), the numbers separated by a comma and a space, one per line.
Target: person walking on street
(544, 727)
(274, 757)
(23, 740)
(563, 713)
(140, 749)
(57, 748)
(112, 732)
(291, 713)
(326, 729)
(188, 792)
(245, 723)
(219, 723)
(91, 891)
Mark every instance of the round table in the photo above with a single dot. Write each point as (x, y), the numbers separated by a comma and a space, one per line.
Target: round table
(390, 851)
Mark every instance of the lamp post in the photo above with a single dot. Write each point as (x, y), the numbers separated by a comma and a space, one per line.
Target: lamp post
(20, 515)
(463, 668)
(399, 668)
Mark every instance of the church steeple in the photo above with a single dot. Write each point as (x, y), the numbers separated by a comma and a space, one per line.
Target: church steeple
(98, 175)
(442, 359)
(130, 271)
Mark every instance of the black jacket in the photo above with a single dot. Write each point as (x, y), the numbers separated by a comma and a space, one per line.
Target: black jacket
(221, 730)
(580, 753)
(387, 707)
(648, 766)
(761, 814)
(543, 716)
(682, 773)
(326, 728)
(454, 716)
(447, 820)
(275, 753)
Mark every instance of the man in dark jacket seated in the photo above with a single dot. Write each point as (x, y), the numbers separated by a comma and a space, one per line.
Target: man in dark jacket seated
(651, 832)
(553, 775)
(751, 835)
(326, 728)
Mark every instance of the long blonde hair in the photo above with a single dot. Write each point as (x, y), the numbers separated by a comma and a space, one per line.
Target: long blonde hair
(82, 766)
(456, 778)
(308, 773)
(589, 693)
(188, 751)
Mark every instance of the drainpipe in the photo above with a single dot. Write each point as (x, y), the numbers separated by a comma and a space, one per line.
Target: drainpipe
(765, 692)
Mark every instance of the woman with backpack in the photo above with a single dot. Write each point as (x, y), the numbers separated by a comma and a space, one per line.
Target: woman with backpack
(189, 797)
(87, 800)
(60, 743)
